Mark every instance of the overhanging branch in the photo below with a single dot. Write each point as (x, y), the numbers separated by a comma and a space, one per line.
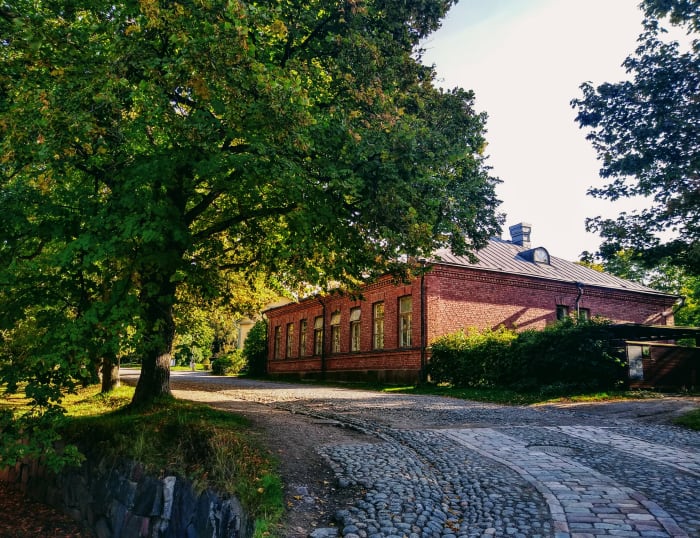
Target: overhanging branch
(202, 206)
(224, 224)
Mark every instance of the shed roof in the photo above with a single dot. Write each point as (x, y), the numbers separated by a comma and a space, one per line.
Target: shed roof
(509, 258)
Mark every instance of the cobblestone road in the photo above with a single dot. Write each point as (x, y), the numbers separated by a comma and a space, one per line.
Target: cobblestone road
(448, 468)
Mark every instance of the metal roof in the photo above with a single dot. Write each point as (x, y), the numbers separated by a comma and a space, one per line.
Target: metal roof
(638, 332)
(505, 257)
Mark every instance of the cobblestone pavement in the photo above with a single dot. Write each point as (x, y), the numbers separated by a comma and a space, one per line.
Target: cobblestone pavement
(448, 468)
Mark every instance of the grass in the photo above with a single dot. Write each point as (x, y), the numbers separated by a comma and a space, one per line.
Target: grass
(511, 397)
(551, 394)
(690, 420)
(211, 448)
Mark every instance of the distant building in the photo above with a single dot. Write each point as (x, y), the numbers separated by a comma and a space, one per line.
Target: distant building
(246, 324)
(386, 334)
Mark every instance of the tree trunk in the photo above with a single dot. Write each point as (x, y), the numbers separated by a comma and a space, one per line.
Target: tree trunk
(110, 373)
(156, 343)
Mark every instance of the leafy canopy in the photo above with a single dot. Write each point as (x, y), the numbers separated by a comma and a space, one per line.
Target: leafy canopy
(646, 132)
(151, 150)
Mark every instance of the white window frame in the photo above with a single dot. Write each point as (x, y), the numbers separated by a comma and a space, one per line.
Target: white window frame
(405, 314)
(378, 325)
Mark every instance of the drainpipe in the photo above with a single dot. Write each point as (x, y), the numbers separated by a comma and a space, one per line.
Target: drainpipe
(323, 338)
(680, 303)
(580, 286)
(423, 358)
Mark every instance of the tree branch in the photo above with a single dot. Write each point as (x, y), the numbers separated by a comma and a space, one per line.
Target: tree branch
(222, 225)
(202, 206)
(289, 49)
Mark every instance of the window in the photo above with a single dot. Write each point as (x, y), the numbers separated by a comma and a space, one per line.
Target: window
(335, 332)
(405, 310)
(290, 340)
(584, 314)
(536, 255)
(276, 343)
(378, 333)
(302, 338)
(562, 311)
(318, 335)
(355, 329)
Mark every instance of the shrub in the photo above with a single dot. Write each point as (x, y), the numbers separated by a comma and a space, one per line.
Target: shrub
(255, 349)
(231, 363)
(472, 359)
(573, 354)
(578, 354)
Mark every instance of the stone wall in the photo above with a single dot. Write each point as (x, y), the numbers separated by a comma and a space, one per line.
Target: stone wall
(118, 499)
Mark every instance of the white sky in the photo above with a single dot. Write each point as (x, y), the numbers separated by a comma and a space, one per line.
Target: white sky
(525, 60)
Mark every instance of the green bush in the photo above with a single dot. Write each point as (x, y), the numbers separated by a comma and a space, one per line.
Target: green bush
(231, 363)
(577, 354)
(471, 359)
(255, 349)
(572, 354)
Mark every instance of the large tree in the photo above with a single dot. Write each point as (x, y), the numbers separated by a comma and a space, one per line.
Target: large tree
(646, 132)
(663, 276)
(150, 144)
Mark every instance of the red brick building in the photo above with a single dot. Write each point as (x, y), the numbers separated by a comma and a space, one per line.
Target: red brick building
(386, 335)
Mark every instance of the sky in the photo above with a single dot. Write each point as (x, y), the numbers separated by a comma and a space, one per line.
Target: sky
(525, 61)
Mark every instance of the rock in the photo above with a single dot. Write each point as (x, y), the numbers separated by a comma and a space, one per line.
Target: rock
(327, 532)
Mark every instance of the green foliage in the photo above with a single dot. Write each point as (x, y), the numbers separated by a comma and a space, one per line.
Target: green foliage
(643, 130)
(569, 355)
(689, 314)
(255, 349)
(157, 156)
(664, 276)
(471, 359)
(33, 436)
(229, 364)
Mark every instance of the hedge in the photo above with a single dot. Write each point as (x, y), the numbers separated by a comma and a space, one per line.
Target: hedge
(570, 354)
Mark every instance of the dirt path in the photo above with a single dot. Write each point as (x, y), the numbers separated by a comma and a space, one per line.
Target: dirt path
(312, 496)
(311, 493)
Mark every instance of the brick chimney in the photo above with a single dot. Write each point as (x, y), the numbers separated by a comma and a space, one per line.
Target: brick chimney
(520, 234)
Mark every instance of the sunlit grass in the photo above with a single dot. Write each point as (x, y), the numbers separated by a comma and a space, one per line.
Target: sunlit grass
(12, 401)
(511, 397)
(89, 402)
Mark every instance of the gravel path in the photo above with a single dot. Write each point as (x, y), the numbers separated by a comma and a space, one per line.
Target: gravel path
(431, 467)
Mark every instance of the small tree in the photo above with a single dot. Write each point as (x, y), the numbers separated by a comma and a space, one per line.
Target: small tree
(255, 349)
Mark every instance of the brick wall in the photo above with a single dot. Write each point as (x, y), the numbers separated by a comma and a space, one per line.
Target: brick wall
(391, 357)
(461, 299)
(454, 299)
